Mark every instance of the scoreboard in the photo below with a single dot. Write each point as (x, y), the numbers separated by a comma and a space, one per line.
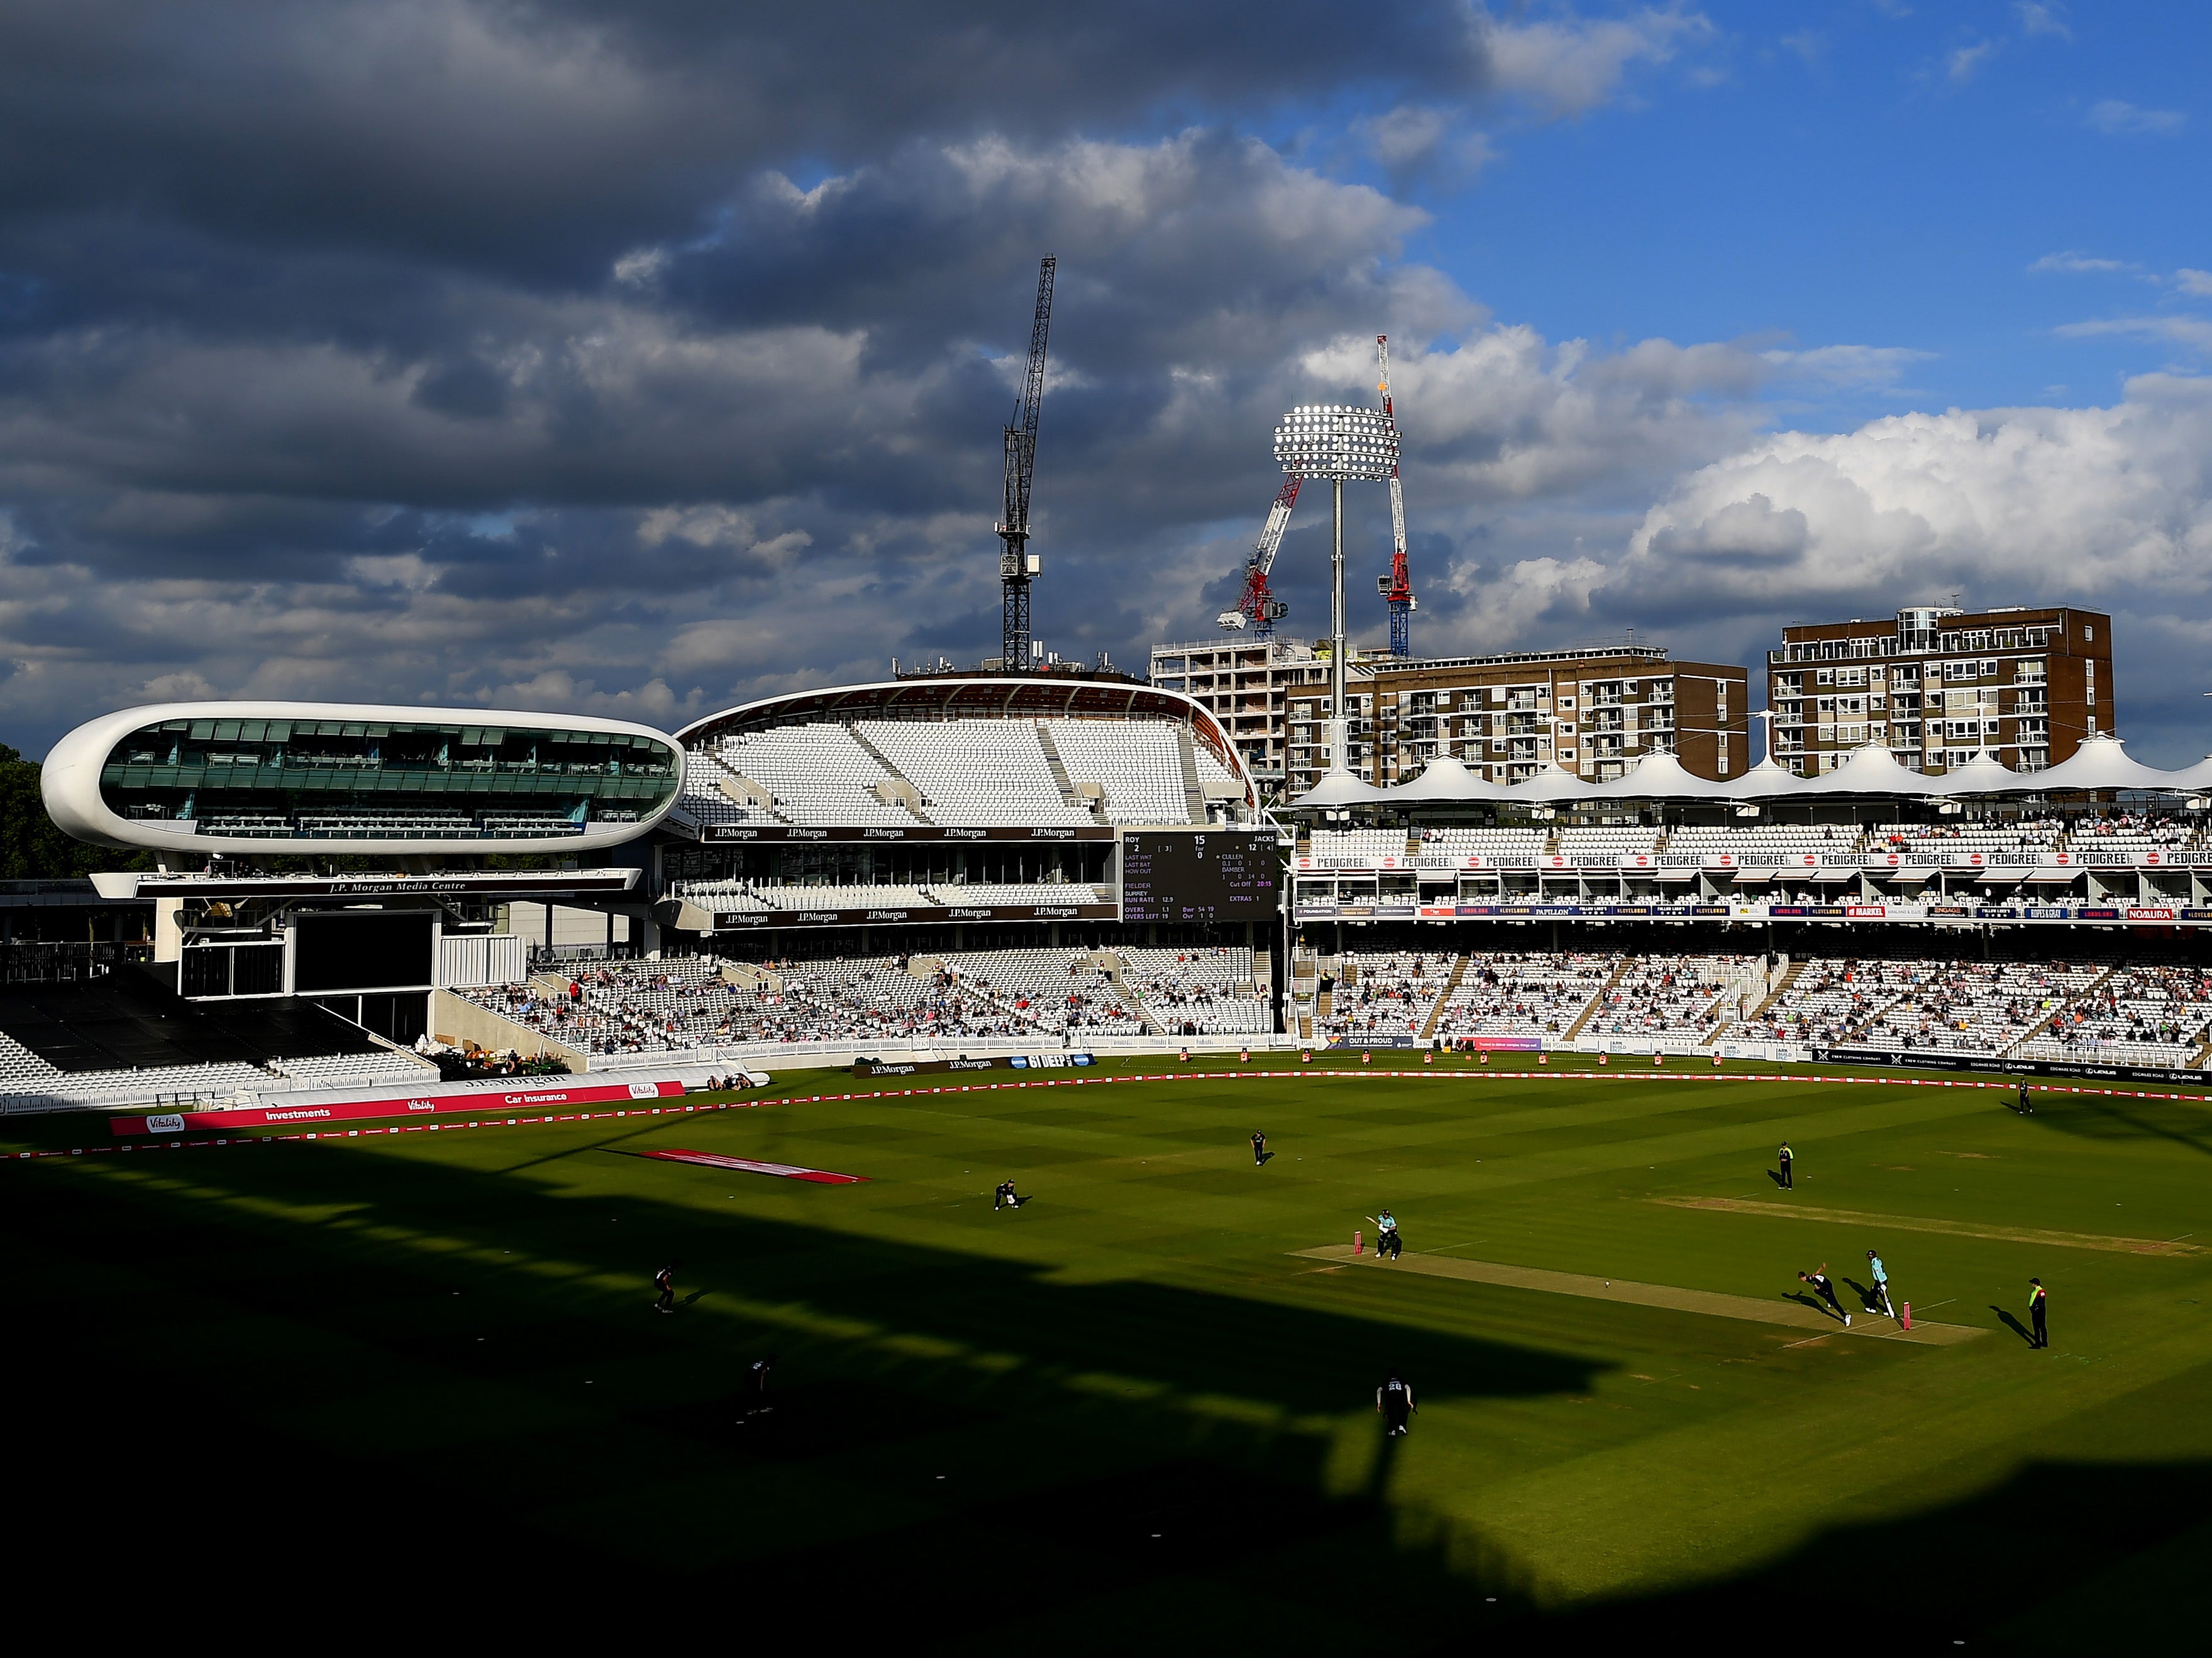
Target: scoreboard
(1198, 875)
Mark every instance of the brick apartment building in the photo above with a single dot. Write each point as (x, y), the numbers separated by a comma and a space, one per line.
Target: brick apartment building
(1937, 686)
(1593, 711)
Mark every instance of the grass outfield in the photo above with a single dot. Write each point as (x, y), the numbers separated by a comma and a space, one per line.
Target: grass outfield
(1133, 1410)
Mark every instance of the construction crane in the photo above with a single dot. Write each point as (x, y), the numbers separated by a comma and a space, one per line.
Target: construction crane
(1016, 564)
(1397, 588)
(1258, 609)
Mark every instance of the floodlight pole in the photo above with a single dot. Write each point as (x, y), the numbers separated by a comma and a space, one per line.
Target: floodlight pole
(1338, 725)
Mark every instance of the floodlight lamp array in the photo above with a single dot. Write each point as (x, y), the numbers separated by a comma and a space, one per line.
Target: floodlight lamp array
(1338, 440)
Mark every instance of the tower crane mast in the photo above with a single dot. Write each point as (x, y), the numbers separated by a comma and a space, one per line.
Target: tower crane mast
(1397, 588)
(1016, 564)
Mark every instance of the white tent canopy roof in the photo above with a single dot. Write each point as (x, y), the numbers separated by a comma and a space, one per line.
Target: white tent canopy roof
(1767, 781)
(1341, 788)
(1550, 784)
(1660, 777)
(1446, 779)
(1983, 775)
(2102, 763)
(1870, 770)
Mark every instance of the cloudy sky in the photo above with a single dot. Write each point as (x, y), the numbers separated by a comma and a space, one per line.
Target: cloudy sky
(641, 358)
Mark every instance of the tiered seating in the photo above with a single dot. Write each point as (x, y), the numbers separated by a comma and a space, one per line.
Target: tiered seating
(1608, 839)
(1138, 764)
(817, 774)
(2031, 837)
(703, 802)
(1832, 1000)
(1982, 1007)
(1747, 840)
(1198, 991)
(976, 771)
(22, 1072)
(1385, 995)
(353, 1070)
(1047, 990)
(1524, 994)
(2140, 1016)
(1463, 842)
(1010, 892)
(2131, 832)
(1665, 996)
(868, 897)
(1211, 771)
(734, 896)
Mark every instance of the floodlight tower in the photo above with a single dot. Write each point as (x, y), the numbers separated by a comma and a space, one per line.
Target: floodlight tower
(1343, 445)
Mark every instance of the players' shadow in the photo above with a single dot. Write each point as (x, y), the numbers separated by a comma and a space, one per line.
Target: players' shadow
(1780, 1184)
(1265, 1158)
(1814, 1302)
(1868, 1298)
(2013, 1324)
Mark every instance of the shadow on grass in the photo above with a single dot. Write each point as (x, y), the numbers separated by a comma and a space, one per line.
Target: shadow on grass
(2013, 1324)
(959, 1444)
(2185, 1123)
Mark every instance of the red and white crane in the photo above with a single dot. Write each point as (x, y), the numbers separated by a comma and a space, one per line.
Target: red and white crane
(1256, 608)
(1397, 588)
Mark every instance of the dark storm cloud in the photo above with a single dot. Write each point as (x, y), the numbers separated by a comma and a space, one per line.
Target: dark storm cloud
(537, 138)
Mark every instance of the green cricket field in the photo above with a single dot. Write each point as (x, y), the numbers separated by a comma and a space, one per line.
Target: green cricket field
(1141, 1406)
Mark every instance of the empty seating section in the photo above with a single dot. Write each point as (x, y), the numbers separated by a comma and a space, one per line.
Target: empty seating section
(23, 1073)
(1212, 772)
(1359, 843)
(1384, 995)
(2140, 1016)
(1747, 840)
(1604, 838)
(368, 823)
(355, 1070)
(1672, 996)
(531, 823)
(976, 771)
(1137, 762)
(1012, 892)
(1198, 991)
(1518, 993)
(1459, 843)
(817, 774)
(702, 799)
(868, 897)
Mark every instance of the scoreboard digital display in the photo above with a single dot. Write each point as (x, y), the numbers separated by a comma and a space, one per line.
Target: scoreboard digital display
(1198, 875)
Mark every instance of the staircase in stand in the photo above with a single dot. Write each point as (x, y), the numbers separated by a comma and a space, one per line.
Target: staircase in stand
(2013, 1049)
(1595, 1002)
(1437, 1012)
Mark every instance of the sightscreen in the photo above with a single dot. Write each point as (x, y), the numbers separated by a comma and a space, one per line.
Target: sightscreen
(362, 952)
(1198, 875)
